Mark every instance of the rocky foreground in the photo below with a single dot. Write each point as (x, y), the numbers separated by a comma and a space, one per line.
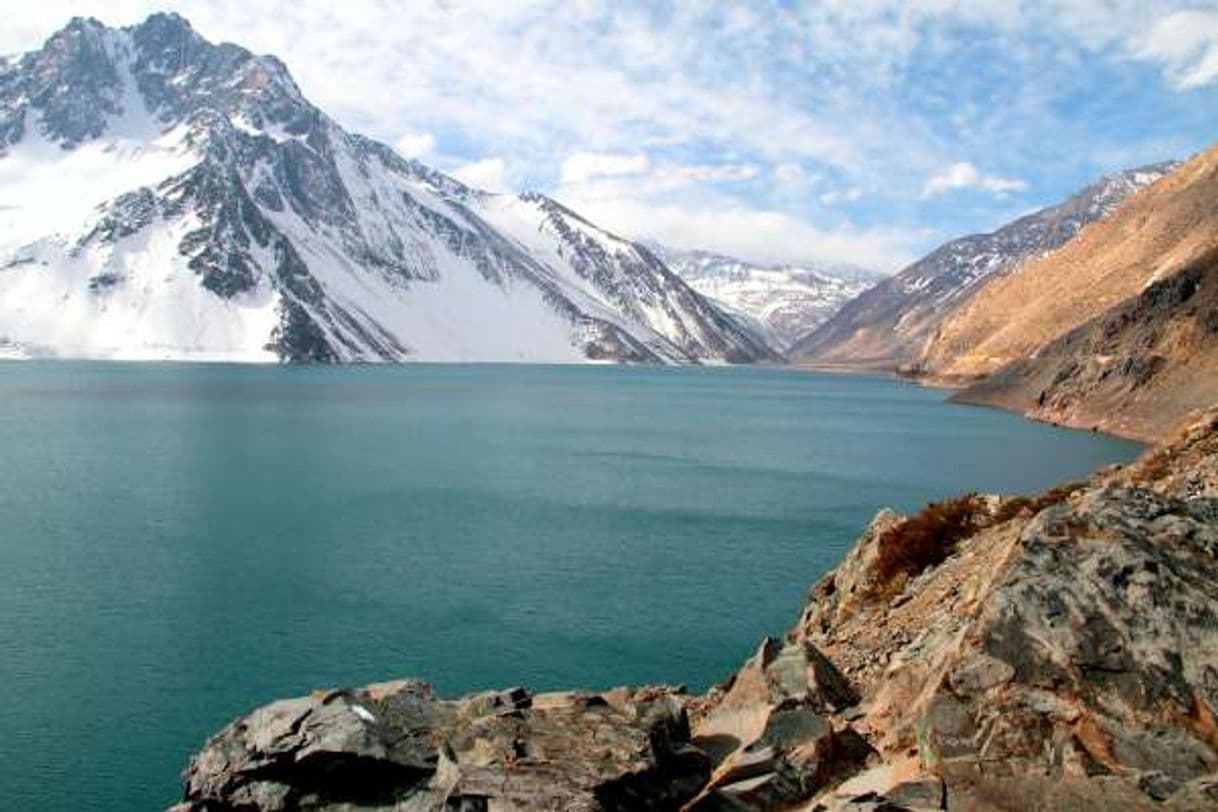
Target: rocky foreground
(1057, 652)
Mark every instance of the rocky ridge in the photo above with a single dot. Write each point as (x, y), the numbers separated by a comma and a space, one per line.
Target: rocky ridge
(784, 302)
(1117, 331)
(1132, 371)
(1000, 653)
(889, 325)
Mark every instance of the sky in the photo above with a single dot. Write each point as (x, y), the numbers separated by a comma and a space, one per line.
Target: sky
(860, 131)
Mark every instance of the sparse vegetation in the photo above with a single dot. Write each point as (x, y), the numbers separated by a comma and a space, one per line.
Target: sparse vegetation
(928, 538)
(924, 540)
(1031, 505)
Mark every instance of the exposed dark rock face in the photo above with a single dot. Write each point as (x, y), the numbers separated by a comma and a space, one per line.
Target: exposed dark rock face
(397, 746)
(1061, 654)
(1134, 370)
(72, 81)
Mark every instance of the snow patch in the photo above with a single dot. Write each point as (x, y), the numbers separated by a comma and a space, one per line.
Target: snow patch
(134, 300)
(46, 189)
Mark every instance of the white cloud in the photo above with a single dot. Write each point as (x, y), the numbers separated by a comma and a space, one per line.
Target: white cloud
(654, 181)
(415, 145)
(790, 173)
(841, 195)
(713, 173)
(692, 105)
(581, 167)
(489, 174)
(758, 234)
(700, 206)
(539, 78)
(1185, 43)
(964, 175)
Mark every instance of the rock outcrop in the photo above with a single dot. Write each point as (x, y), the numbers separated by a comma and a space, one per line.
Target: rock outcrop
(997, 653)
(397, 746)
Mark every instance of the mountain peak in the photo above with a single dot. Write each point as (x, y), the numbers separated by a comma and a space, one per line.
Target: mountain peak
(784, 302)
(200, 206)
(166, 21)
(80, 25)
(90, 80)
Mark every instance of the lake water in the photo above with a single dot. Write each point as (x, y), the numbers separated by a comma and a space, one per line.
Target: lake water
(179, 544)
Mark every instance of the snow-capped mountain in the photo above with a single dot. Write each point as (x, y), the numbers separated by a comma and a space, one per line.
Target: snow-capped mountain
(785, 302)
(164, 197)
(889, 325)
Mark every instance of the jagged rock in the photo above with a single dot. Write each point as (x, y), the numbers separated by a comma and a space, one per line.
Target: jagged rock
(799, 754)
(837, 594)
(1093, 655)
(926, 793)
(1071, 650)
(399, 746)
(773, 730)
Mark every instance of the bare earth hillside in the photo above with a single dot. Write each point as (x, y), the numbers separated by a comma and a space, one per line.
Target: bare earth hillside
(888, 326)
(1132, 371)
(1154, 235)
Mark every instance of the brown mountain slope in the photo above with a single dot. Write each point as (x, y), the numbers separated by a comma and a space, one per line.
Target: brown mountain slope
(1134, 371)
(1155, 234)
(888, 325)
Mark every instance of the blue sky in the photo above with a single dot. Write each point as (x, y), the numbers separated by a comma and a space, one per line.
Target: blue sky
(865, 131)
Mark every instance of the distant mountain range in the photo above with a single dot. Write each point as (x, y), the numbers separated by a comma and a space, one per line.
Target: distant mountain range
(165, 197)
(1100, 312)
(783, 302)
(889, 325)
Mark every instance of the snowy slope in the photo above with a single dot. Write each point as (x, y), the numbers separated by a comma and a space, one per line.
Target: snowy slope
(164, 197)
(785, 301)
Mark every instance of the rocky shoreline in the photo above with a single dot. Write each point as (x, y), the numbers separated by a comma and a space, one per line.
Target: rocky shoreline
(1051, 652)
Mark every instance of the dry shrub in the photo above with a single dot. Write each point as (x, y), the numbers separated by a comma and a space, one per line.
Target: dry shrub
(925, 540)
(1034, 504)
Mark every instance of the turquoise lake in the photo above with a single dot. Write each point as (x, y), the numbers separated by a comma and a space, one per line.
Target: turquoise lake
(181, 543)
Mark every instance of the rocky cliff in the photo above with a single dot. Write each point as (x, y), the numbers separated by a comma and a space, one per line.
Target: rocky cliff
(1004, 653)
(1131, 371)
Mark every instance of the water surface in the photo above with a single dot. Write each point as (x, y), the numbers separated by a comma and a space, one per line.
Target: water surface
(179, 544)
